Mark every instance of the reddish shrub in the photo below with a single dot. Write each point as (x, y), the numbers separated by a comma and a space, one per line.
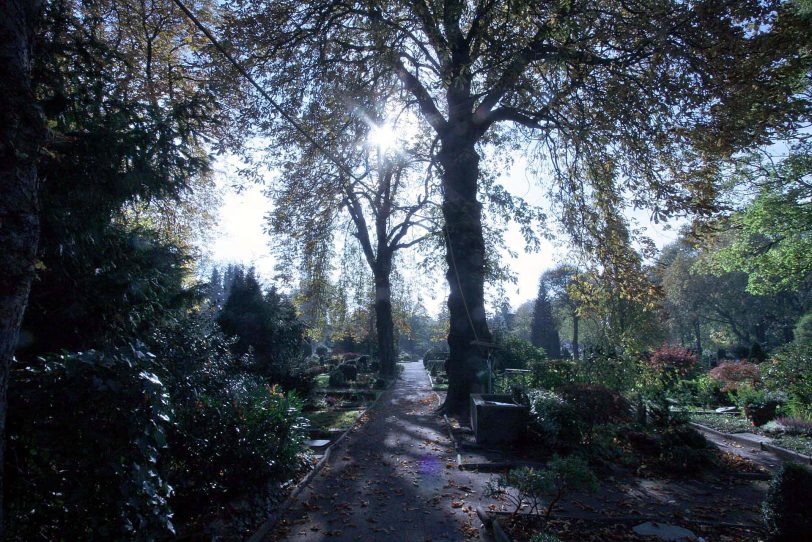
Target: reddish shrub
(672, 359)
(736, 374)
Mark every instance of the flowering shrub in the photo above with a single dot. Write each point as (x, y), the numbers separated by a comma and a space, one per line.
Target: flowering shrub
(735, 375)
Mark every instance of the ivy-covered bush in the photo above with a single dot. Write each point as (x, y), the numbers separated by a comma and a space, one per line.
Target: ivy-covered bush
(234, 440)
(86, 448)
(786, 508)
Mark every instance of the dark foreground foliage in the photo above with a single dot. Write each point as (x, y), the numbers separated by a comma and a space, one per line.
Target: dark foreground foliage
(121, 445)
(786, 508)
(84, 448)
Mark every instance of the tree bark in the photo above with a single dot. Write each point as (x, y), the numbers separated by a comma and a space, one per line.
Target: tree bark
(698, 339)
(22, 131)
(465, 256)
(384, 325)
(575, 350)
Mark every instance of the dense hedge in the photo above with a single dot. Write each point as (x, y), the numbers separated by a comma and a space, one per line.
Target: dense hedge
(86, 432)
(108, 446)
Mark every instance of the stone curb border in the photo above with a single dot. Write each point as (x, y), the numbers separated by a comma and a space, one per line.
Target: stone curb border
(271, 522)
(781, 453)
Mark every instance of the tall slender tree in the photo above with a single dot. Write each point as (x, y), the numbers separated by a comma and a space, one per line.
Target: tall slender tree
(543, 328)
(22, 133)
(380, 182)
(560, 281)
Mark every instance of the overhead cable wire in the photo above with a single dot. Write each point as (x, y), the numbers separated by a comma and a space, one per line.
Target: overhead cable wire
(293, 122)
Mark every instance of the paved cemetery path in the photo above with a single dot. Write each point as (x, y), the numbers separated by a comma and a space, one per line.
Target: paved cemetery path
(394, 478)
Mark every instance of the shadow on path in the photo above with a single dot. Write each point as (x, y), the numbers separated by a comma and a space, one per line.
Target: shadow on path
(394, 478)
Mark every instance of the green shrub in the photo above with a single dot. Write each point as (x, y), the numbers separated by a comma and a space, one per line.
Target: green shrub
(609, 369)
(544, 537)
(790, 371)
(803, 331)
(553, 419)
(709, 392)
(786, 507)
(552, 374)
(595, 404)
(515, 353)
(86, 444)
(684, 449)
(337, 379)
(233, 441)
(233, 432)
(537, 486)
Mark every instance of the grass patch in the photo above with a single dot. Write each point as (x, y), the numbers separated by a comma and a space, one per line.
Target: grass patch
(440, 387)
(333, 419)
(322, 380)
(724, 422)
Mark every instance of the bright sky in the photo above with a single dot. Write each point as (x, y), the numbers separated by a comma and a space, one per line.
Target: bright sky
(241, 237)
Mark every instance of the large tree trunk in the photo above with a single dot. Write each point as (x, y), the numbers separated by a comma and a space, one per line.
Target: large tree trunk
(698, 340)
(21, 132)
(384, 325)
(575, 347)
(465, 255)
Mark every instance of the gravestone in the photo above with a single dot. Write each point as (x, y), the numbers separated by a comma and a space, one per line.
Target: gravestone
(496, 419)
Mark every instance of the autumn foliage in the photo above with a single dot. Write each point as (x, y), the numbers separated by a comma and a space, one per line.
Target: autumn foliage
(736, 374)
(672, 359)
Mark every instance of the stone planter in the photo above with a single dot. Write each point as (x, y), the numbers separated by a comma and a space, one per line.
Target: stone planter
(497, 420)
